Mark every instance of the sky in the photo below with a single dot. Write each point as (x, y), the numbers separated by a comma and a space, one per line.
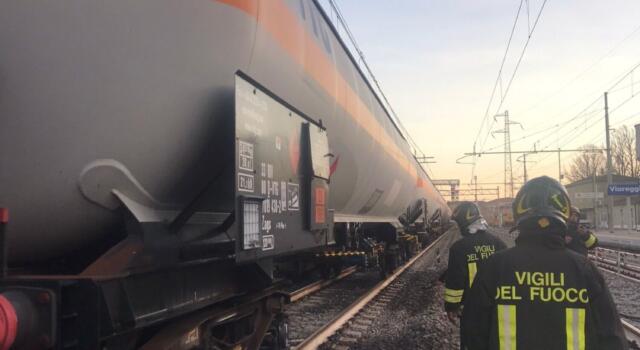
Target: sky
(438, 61)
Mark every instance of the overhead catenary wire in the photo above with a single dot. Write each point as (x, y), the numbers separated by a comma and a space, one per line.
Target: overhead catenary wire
(556, 126)
(585, 71)
(611, 89)
(574, 134)
(614, 108)
(524, 49)
(571, 135)
(504, 95)
(577, 131)
(625, 119)
(515, 70)
(614, 87)
(499, 77)
(598, 137)
(360, 54)
(585, 113)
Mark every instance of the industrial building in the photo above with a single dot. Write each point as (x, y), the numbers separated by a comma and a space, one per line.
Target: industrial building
(590, 195)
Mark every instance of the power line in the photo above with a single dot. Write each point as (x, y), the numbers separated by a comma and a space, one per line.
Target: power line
(581, 74)
(567, 141)
(524, 49)
(622, 104)
(499, 77)
(556, 126)
(524, 137)
(616, 81)
(405, 134)
(572, 132)
(621, 79)
(504, 95)
(626, 118)
(515, 70)
(583, 113)
(628, 73)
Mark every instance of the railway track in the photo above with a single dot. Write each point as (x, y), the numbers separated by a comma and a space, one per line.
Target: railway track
(311, 288)
(347, 326)
(627, 265)
(620, 262)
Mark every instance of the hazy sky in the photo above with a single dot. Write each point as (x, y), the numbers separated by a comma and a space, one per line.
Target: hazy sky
(437, 62)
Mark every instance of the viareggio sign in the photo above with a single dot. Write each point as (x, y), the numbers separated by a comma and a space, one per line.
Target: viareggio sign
(623, 189)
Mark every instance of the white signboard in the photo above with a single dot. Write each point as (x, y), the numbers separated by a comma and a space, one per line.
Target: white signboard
(588, 195)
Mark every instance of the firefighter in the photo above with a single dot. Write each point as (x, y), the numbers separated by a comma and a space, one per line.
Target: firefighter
(539, 295)
(579, 238)
(467, 255)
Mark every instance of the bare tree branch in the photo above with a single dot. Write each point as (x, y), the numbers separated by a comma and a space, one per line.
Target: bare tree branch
(623, 153)
(587, 164)
(623, 158)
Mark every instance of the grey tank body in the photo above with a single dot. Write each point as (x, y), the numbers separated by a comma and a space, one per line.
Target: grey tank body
(148, 86)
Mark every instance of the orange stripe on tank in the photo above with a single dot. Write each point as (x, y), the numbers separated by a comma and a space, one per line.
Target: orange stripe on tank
(248, 6)
(277, 19)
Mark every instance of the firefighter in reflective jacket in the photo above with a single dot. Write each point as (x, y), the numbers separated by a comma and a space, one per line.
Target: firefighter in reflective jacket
(539, 295)
(467, 255)
(579, 238)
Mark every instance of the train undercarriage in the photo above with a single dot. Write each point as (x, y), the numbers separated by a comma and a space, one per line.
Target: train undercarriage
(199, 304)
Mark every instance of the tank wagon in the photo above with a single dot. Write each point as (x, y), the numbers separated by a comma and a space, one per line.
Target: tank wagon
(162, 161)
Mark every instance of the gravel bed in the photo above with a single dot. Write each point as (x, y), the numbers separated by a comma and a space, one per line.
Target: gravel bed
(625, 293)
(313, 311)
(415, 319)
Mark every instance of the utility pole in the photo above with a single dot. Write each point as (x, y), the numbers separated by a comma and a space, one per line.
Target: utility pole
(609, 176)
(595, 201)
(559, 168)
(507, 148)
(475, 180)
(508, 164)
(524, 162)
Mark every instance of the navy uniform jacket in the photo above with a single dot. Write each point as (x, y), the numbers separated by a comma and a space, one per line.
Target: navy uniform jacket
(466, 257)
(540, 295)
(581, 243)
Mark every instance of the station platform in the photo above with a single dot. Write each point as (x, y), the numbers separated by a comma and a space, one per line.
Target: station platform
(619, 236)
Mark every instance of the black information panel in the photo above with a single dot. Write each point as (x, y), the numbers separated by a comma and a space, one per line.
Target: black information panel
(272, 184)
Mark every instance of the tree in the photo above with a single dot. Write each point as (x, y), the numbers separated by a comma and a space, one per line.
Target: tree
(586, 164)
(623, 158)
(623, 152)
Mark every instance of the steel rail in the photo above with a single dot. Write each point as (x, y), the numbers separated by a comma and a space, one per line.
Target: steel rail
(316, 286)
(320, 336)
(632, 332)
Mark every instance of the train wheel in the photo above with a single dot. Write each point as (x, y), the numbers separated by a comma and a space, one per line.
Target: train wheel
(278, 336)
(283, 335)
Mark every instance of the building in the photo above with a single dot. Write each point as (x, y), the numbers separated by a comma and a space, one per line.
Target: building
(497, 212)
(590, 195)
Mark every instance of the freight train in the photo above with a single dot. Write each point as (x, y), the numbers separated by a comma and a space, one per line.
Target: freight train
(161, 162)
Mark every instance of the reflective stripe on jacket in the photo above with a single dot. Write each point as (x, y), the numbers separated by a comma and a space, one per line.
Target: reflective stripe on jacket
(539, 295)
(465, 259)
